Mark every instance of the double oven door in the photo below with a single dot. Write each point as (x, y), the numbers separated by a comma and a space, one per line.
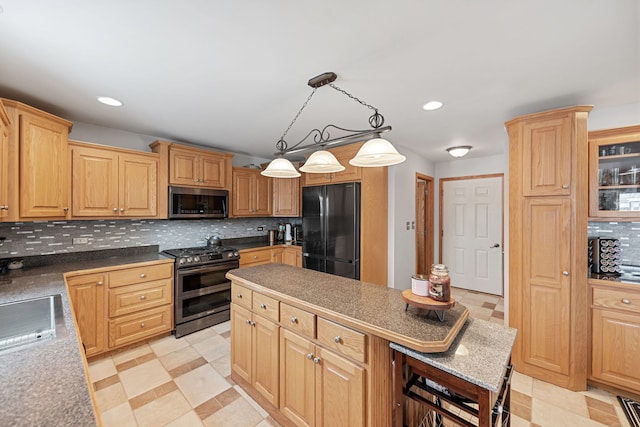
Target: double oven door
(202, 296)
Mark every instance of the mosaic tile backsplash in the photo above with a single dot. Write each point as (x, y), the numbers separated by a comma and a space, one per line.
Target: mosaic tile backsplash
(627, 232)
(54, 237)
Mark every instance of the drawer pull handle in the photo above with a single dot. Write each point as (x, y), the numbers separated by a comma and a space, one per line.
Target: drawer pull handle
(310, 356)
(142, 325)
(255, 257)
(115, 209)
(263, 306)
(121, 209)
(337, 339)
(99, 283)
(316, 360)
(142, 275)
(248, 322)
(143, 297)
(565, 273)
(294, 319)
(239, 296)
(565, 186)
(626, 301)
(253, 323)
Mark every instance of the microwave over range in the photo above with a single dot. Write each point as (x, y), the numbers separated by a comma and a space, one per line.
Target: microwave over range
(193, 203)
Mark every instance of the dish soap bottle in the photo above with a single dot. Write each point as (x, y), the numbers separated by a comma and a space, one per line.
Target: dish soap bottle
(440, 283)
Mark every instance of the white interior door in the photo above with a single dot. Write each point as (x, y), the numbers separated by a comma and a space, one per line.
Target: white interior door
(472, 233)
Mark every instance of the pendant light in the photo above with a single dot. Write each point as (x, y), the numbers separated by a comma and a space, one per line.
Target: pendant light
(376, 152)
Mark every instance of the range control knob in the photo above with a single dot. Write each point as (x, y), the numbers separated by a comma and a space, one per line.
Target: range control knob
(181, 261)
(189, 259)
(235, 253)
(196, 258)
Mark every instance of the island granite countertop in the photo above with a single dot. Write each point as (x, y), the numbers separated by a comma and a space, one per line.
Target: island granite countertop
(45, 384)
(367, 307)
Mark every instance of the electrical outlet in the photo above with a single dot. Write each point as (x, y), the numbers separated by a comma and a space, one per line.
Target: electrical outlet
(260, 228)
(80, 241)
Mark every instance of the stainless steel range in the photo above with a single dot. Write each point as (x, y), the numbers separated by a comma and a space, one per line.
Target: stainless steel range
(202, 292)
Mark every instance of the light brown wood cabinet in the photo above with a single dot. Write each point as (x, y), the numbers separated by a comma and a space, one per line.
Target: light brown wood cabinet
(286, 197)
(349, 174)
(38, 163)
(109, 182)
(548, 244)
(615, 334)
(117, 306)
(292, 255)
(252, 193)
(192, 167)
(4, 162)
(257, 256)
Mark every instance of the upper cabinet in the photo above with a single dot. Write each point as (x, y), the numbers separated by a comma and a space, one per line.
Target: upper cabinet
(286, 197)
(192, 167)
(614, 173)
(38, 163)
(4, 162)
(350, 174)
(252, 193)
(111, 182)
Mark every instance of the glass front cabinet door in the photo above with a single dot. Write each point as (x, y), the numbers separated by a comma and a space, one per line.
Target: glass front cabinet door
(614, 173)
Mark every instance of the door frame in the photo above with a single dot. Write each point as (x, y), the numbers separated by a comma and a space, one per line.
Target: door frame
(428, 225)
(440, 207)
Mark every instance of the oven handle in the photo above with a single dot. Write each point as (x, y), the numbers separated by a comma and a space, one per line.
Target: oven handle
(208, 268)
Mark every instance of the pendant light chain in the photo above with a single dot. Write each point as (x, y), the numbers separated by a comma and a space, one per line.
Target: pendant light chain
(281, 145)
(376, 120)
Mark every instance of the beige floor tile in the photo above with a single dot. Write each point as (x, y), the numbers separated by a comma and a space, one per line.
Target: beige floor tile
(265, 423)
(190, 419)
(546, 414)
(238, 414)
(110, 397)
(179, 357)
(599, 394)
(196, 337)
(222, 365)
(498, 321)
(252, 402)
(163, 410)
(222, 327)
(130, 354)
(621, 415)
(519, 422)
(119, 416)
(479, 312)
(167, 345)
(522, 383)
(201, 384)
(101, 368)
(560, 397)
(213, 348)
(143, 377)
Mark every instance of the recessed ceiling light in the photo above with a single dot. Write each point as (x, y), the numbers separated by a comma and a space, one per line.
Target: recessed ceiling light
(110, 101)
(432, 105)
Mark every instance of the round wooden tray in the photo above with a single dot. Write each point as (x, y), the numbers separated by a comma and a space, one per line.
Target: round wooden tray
(426, 303)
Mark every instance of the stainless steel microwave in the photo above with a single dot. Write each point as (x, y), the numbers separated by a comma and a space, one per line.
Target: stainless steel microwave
(193, 203)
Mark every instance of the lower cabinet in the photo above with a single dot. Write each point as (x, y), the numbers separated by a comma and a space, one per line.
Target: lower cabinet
(292, 255)
(283, 254)
(615, 334)
(121, 305)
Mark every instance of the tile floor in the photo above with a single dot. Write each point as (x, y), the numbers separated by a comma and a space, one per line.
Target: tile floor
(186, 382)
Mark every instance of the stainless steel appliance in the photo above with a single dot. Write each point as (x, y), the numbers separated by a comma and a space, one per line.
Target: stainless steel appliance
(190, 203)
(202, 292)
(331, 224)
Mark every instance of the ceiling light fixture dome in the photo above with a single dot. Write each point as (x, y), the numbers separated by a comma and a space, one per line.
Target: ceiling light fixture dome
(107, 100)
(459, 151)
(432, 105)
(377, 152)
(322, 161)
(281, 168)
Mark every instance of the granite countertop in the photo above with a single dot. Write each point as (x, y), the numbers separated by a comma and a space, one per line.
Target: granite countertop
(370, 308)
(45, 384)
(480, 354)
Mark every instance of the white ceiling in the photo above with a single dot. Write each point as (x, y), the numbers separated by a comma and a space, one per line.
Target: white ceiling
(233, 73)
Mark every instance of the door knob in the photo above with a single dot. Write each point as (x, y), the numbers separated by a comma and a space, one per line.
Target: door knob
(495, 245)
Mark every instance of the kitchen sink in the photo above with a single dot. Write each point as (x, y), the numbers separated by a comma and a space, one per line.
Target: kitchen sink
(31, 321)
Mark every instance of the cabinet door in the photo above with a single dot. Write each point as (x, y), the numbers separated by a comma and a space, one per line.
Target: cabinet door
(94, 182)
(183, 167)
(277, 255)
(286, 197)
(4, 163)
(289, 256)
(615, 338)
(297, 378)
(546, 157)
(350, 173)
(212, 171)
(241, 342)
(138, 187)
(44, 167)
(340, 391)
(263, 193)
(87, 298)
(265, 352)
(545, 288)
(242, 204)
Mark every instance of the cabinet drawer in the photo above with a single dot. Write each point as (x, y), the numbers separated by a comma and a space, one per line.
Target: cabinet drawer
(132, 298)
(342, 339)
(253, 257)
(619, 300)
(241, 295)
(298, 320)
(137, 326)
(140, 274)
(266, 306)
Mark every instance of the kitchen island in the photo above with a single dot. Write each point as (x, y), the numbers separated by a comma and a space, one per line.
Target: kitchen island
(314, 348)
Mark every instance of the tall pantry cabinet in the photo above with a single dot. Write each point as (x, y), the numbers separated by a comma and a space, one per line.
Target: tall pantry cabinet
(548, 198)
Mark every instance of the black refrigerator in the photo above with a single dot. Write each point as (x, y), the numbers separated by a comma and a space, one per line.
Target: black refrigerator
(331, 229)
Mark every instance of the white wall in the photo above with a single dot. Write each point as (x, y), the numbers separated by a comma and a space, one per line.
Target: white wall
(402, 208)
(612, 117)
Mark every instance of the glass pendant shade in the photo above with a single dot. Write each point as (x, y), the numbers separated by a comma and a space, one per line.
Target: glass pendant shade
(322, 161)
(280, 168)
(459, 151)
(377, 152)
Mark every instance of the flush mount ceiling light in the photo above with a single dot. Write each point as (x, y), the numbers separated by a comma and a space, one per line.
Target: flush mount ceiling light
(107, 100)
(432, 105)
(377, 154)
(459, 151)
